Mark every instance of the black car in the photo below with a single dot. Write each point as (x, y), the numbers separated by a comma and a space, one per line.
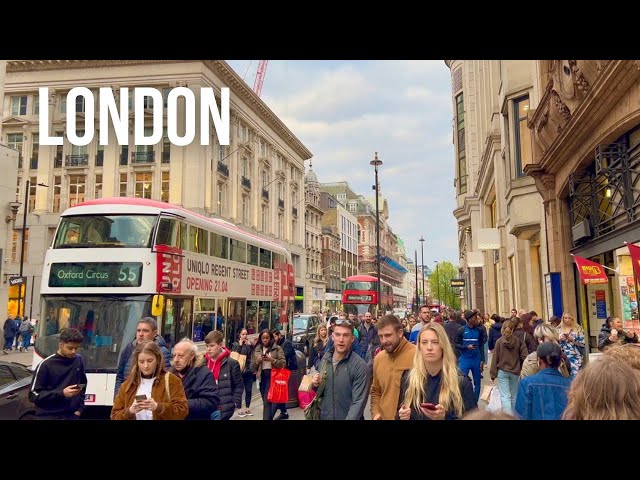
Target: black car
(305, 327)
(15, 381)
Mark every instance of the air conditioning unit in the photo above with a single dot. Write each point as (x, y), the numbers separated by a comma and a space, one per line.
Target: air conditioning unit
(581, 230)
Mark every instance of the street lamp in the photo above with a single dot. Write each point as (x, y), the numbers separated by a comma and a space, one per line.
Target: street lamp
(417, 293)
(376, 163)
(24, 230)
(424, 292)
(437, 280)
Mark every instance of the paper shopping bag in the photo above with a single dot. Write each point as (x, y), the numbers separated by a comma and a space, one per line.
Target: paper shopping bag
(240, 358)
(485, 396)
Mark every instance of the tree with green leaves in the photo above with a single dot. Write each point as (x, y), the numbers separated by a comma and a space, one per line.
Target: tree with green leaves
(440, 284)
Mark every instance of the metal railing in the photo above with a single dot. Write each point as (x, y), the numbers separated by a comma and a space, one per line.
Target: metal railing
(246, 183)
(223, 169)
(79, 160)
(143, 157)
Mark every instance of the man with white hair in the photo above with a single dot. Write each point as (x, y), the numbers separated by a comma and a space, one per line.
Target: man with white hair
(199, 385)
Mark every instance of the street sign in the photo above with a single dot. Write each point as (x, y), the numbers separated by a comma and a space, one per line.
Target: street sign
(16, 281)
(457, 282)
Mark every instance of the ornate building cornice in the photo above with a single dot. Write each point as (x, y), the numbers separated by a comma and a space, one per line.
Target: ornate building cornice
(219, 67)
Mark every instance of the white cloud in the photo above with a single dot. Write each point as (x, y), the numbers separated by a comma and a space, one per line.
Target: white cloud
(345, 111)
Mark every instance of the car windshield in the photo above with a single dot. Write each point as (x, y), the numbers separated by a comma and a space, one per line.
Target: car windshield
(107, 323)
(300, 324)
(105, 231)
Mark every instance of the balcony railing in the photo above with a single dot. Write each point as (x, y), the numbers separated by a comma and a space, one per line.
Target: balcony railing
(57, 162)
(281, 203)
(33, 164)
(294, 210)
(100, 159)
(165, 157)
(223, 169)
(79, 160)
(246, 183)
(143, 157)
(265, 194)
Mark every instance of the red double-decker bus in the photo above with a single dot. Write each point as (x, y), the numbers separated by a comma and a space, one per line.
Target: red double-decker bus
(360, 295)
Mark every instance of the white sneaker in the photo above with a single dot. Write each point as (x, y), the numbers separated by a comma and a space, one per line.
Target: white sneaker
(241, 414)
(248, 412)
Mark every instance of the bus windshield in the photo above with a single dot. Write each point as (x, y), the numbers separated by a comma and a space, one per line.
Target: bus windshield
(105, 231)
(107, 323)
(360, 286)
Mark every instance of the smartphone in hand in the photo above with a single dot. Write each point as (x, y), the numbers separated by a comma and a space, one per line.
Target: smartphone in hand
(80, 386)
(141, 398)
(428, 406)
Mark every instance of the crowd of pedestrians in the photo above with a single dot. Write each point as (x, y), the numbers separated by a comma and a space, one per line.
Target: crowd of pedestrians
(424, 368)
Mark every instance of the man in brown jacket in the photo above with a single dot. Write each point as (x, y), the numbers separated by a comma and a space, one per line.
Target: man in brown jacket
(388, 366)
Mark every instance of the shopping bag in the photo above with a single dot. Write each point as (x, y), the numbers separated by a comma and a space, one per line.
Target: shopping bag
(495, 405)
(240, 358)
(485, 396)
(305, 384)
(279, 386)
(305, 398)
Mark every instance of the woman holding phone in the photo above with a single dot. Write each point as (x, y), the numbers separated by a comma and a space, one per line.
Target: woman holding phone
(571, 341)
(150, 392)
(433, 389)
(266, 355)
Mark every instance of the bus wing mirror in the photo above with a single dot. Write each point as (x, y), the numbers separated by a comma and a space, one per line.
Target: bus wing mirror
(157, 305)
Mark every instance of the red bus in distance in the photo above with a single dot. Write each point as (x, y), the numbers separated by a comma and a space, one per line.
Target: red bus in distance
(360, 295)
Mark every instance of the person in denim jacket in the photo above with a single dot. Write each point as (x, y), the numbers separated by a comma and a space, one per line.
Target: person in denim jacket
(543, 396)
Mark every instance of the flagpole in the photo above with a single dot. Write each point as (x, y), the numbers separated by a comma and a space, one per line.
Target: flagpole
(603, 266)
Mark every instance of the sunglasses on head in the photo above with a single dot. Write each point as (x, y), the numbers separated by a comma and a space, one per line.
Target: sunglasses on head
(344, 321)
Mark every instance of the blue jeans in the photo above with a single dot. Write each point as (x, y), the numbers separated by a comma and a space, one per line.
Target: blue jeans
(465, 364)
(26, 340)
(508, 386)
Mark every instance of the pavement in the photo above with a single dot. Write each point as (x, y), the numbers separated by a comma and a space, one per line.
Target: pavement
(23, 358)
(26, 358)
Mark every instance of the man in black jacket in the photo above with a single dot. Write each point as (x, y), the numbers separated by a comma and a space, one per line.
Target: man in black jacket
(59, 382)
(291, 365)
(199, 385)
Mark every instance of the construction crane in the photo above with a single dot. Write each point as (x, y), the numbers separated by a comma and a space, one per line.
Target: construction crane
(262, 70)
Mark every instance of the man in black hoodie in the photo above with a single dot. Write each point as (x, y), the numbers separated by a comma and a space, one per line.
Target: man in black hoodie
(59, 382)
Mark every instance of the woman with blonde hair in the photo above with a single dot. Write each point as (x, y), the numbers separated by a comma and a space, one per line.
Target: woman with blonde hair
(150, 392)
(544, 333)
(318, 347)
(571, 338)
(606, 389)
(434, 389)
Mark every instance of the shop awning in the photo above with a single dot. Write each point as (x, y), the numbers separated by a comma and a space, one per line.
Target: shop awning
(393, 264)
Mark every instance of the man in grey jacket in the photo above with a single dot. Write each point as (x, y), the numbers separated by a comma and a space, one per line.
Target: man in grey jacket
(346, 381)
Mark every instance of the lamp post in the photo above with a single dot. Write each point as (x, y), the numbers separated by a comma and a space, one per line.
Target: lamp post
(417, 293)
(376, 163)
(24, 231)
(424, 292)
(437, 280)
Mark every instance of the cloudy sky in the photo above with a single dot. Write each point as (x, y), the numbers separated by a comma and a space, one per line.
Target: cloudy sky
(345, 111)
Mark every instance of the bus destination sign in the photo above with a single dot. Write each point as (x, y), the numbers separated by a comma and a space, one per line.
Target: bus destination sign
(359, 298)
(96, 274)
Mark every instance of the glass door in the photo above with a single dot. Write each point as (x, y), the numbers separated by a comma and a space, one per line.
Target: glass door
(177, 320)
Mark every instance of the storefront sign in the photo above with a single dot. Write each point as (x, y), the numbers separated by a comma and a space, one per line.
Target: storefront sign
(457, 282)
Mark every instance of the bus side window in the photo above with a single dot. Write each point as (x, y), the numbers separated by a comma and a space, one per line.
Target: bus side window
(167, 232)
